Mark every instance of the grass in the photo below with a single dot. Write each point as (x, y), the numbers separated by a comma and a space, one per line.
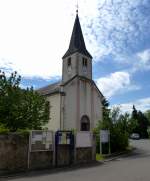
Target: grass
(99, 157)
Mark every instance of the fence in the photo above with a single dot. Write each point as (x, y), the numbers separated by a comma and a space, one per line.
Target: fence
(45, 149)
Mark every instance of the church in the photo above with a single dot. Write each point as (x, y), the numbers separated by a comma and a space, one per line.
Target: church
(75, 101)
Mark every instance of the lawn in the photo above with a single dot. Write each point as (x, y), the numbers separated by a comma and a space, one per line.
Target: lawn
(99, 157)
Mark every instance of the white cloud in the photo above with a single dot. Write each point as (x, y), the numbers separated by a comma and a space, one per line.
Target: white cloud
(35, 34)
(140, 104)
(144, 56)
(116, 83)
(118, 27)
(143, 60)
(140, 61)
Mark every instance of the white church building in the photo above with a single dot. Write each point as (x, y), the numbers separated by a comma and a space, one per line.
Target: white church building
(75, 101)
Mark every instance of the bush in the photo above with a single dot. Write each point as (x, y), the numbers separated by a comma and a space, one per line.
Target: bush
(116, 123)
(148, 131)
(118, 139)
(3, 130)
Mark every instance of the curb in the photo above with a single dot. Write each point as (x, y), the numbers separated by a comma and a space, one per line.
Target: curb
(31, 173)
(64, 169)
(117, 155)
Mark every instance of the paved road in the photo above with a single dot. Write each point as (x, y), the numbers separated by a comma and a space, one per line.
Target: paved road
(134, 167)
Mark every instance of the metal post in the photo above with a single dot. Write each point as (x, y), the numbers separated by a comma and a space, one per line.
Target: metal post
(100, 144)
(54, 148)
(29, 149)
(75, 149)
(109, 144)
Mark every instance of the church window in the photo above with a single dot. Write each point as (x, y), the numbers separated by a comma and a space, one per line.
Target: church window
(69, 62)
(84, 62)
(69, 65)
(85, 123)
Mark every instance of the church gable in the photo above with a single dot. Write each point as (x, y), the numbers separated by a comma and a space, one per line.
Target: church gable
(76, 102)
(82, 99)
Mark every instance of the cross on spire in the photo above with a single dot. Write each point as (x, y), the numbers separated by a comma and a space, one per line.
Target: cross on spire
(77, 7)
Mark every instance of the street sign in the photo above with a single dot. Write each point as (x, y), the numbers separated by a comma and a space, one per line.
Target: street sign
(104, 139)
(104, 136)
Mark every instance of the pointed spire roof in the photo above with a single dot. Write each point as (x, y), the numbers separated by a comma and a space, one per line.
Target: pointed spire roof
(77, 43)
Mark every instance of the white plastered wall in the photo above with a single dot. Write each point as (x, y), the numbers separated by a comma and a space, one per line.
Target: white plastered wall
(97, 99)
(68, 74)
(70, 105)
(85, 100)
(90, 103)
(54, 122)
(82, 98)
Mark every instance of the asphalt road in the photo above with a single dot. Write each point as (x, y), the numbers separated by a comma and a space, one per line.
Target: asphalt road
(132, 167)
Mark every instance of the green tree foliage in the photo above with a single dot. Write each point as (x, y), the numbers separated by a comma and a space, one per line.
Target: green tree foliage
(116, 122)
(105, 124)
(147, 114)
(139, 123)
(118, 130)
(19, 108)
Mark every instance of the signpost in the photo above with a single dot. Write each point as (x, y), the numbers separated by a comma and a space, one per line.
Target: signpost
(83, 139)
(104, 139)
(40, 140)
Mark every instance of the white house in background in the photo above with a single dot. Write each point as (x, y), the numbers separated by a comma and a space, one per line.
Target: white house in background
(75, 101)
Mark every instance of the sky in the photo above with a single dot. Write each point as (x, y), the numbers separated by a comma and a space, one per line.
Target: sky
(35, 34)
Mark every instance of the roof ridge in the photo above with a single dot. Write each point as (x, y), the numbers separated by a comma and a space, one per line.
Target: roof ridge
(49, 85)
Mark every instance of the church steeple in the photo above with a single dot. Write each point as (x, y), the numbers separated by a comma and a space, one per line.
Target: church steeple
(77, 61)
(77, 43)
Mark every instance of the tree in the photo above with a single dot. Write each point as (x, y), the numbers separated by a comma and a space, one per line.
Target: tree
(116, 123)
(118, 131)
(139, 123)
(143, 124)
(106, 114)
(147, 114)
(20, 108)
(134, 113)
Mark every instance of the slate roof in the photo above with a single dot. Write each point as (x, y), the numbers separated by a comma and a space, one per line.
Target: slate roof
(50, 89)
(77, 43)
(55, 88)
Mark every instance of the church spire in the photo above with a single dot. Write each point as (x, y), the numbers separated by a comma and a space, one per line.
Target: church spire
(77, 43)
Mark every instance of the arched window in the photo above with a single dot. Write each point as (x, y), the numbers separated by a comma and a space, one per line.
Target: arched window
(84, 65)
(69, 61)
(69, 65)
(84, 62)
(85, 123)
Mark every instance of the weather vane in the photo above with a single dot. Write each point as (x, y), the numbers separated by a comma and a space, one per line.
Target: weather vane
(77, 6)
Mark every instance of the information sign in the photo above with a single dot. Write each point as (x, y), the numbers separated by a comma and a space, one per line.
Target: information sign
(104, 136)
(83, 139)
(41, 140)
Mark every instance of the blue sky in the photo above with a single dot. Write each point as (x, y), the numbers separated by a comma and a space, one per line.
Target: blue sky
(35, 34)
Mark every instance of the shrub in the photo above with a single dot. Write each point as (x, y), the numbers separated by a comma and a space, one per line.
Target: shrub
(118, 139)
(116, 123)
(3, 130)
